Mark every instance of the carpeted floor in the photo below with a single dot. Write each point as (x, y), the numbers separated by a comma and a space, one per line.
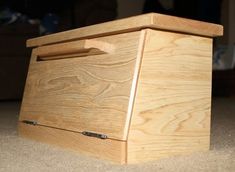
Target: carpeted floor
(21, 155)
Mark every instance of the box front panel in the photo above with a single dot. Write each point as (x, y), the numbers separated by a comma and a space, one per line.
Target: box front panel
(83, 93)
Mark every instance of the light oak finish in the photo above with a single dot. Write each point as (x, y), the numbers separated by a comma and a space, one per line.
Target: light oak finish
(112, 150)
(172, 105)
(75, 48)
(89, 93)
(144, 82)
(135, 80)
(151, 20)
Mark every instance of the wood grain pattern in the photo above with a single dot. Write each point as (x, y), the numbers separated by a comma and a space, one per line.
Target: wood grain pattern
(135, 80)
(88, 93)
(171, 112)
(146, 85)
(104, 149)
(151, 20)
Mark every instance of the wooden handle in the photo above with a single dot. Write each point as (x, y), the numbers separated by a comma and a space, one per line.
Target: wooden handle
(71, 49)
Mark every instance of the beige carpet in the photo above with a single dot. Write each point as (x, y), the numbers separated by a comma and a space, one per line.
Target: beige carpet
(21, 155)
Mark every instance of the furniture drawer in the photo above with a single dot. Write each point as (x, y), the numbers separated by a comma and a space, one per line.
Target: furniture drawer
(82, 85)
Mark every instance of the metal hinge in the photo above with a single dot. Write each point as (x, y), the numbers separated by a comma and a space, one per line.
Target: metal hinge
(86, 133)
(90, 134)
(30, 122)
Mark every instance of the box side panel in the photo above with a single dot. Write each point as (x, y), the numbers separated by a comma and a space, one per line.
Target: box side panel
(104, 149)
(171, 112)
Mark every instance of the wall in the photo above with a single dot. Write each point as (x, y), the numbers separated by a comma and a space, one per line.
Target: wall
(231, 21)
(127, 8)
(228, 21)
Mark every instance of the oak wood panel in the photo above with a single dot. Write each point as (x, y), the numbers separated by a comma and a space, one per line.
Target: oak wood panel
(151, 20)
(88, 93)
(171, 112)
(166, 146)
(78, 48)
(105, 149)
(140, 52)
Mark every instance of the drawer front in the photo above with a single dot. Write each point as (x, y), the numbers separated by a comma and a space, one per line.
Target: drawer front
(84, 91)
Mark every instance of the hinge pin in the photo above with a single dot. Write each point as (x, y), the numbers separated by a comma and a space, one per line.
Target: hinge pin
(30, 122)
(90, 134)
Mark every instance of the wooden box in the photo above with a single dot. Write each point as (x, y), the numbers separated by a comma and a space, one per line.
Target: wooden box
(131, 90)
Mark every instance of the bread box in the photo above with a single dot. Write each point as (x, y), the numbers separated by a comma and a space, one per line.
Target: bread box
(129, 91)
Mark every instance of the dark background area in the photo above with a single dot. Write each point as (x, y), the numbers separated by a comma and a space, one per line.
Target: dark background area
(14, 56)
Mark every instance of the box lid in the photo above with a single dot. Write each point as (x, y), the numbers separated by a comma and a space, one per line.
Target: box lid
(151, 20)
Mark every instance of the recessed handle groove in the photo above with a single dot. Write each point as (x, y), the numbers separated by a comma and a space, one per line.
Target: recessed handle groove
(73, 49)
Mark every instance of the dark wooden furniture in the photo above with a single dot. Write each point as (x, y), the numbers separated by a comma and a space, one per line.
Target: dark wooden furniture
(14, 59)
